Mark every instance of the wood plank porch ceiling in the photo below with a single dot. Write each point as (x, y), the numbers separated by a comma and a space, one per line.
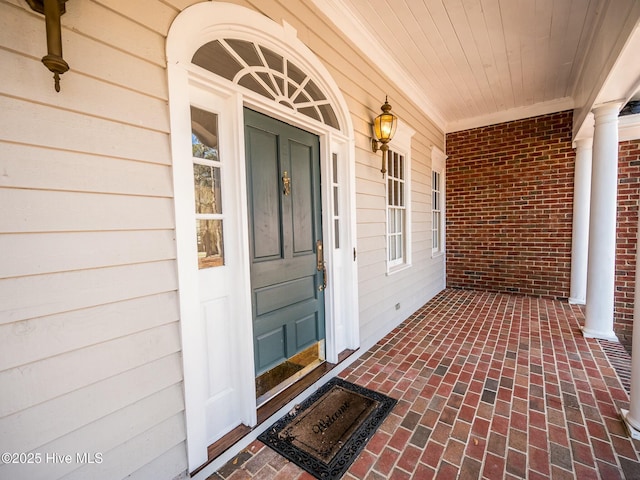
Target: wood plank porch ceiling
(473, 59)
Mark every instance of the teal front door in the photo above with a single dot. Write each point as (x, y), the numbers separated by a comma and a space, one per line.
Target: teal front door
(285, 229)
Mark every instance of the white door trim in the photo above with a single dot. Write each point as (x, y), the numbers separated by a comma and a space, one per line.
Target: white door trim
(194, 27)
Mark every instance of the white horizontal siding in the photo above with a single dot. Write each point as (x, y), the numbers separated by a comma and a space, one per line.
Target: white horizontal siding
(47, 211)
(89, 333)
(152, 445)
(126, 34)
(81, 407)
(26, 166)
(171, 464)
(107, 63)
(23, 298)
(82, 250)
(103, 100)
(145, 419)
(139, 10)
(65, 130)
(86, 16)
(44, 380)
(68, 331)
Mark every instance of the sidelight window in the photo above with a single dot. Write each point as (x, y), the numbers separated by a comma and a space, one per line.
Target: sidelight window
(335, 186)
(207, 186)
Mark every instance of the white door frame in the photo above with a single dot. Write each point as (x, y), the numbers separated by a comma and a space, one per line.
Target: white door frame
(194, 27)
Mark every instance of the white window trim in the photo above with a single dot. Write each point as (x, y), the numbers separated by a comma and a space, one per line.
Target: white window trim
(438, 164)
(401, 144)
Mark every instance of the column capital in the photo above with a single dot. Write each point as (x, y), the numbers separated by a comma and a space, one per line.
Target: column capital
(606, 109)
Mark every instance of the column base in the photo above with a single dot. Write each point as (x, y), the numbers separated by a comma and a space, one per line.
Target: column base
(633, 431)
(577, 301)
(611, 335)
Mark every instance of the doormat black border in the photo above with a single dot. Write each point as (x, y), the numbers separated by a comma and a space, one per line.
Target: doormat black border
(351, 448)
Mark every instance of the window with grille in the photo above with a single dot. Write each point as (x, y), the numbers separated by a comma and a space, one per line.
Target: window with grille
(335, 186)
(396, 209)
(436, 203)
(207, 188)
(438, 195)
(267, 73)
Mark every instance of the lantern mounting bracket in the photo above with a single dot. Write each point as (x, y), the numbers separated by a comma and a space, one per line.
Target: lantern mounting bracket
(52, 10)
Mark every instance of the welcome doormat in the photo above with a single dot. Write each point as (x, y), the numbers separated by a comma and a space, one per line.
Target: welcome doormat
(326, 432)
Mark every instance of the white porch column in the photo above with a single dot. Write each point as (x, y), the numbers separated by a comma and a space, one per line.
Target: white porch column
(632, 416)
(580, 235)
(602, 224)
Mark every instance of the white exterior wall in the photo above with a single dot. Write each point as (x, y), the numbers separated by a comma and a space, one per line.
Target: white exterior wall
(412, 287)
(89, 335)
(89, 345)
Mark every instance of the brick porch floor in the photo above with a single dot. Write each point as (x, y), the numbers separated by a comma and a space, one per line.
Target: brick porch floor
(489, 386)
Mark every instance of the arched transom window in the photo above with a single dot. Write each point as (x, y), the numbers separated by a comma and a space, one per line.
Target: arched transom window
(267, 73)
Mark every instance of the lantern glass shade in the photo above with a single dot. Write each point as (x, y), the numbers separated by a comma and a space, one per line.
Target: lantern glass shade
(385, 124)
(384, 128)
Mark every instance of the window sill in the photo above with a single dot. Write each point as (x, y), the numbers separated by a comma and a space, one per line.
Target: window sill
(437, 254)
(397, 268)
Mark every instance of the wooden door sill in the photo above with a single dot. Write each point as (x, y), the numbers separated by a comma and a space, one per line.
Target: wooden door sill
(225, 443)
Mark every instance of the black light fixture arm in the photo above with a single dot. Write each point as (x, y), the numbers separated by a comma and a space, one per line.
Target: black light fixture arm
(52, 10)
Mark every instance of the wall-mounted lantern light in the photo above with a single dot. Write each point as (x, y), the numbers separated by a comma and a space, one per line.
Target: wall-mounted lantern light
(384, 127)
(52, 10)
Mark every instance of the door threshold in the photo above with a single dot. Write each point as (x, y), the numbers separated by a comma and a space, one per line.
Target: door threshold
(272, 382)
(279, 400)
(296, 377)
(269, 408)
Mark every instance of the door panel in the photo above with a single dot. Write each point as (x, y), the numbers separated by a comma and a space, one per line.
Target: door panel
(277, 296)
(285, 221)
(306, 331)
(271, 346)
(265, 196)
(302, 198)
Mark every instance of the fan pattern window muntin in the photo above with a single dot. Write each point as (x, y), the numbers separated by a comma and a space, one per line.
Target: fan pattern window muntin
(267, 73)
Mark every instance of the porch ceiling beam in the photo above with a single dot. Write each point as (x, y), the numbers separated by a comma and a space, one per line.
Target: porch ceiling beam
(622, 83)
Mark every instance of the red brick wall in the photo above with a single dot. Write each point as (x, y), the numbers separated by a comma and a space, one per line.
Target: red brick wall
(627, 224)
(509, 206)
